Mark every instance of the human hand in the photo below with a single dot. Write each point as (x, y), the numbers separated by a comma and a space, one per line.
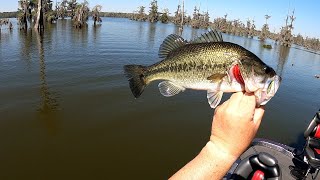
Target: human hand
(236, 123)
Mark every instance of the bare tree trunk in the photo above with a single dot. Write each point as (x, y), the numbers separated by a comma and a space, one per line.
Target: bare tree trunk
(25, 16)
(39, 22)
(80, 15)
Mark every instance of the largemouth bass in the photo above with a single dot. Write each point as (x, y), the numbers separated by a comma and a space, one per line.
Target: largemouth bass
(205, 63)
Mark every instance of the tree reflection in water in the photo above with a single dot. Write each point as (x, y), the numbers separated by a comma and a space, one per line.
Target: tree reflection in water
(49, 104)
(283, 58)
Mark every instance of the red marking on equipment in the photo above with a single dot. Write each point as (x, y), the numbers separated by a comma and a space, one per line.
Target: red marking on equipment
(258, 175)
(317, 134)
(317, 150)
(237, 74)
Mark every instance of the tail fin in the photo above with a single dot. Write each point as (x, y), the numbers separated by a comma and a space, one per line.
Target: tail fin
(135, 74)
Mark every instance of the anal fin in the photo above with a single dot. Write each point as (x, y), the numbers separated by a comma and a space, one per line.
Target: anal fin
(168, 88)
(214, 98)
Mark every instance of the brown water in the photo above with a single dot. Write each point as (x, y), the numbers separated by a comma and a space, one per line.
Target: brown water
(67, 111)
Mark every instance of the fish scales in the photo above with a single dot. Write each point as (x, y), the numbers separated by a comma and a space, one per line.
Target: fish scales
(193, 62)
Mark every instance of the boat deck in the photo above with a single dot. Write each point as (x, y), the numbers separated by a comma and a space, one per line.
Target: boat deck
(291, 165)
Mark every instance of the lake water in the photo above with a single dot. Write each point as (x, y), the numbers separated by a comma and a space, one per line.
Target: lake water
(67, 111)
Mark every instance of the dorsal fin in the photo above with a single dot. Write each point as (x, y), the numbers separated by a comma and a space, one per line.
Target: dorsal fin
(171, 43)
(211, 36)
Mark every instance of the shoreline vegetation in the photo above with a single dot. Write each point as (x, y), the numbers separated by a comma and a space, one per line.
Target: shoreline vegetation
(38, 12)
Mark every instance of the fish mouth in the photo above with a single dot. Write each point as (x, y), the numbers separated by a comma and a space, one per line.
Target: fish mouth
(264, 95)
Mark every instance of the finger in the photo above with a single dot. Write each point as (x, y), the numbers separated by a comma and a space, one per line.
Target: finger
(225, 103)
(244, 102)
(221, 106)
(259, 112)
(235, 100)
(250, 100)
(236, 96)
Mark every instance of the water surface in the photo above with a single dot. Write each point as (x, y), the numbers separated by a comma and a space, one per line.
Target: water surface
(67, 111)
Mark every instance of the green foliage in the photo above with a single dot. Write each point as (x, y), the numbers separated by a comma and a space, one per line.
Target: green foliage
(299, 40)
(264, 32)
(24, 12)
(81, 14)
(8, 14)
(4, 22)
(164, 17)
(47, 6)
(285, 36)
(71, 7)
(96, 14)
(267, 46)
(153, 13)
(62, 10)
(178, 16)
(117, 14)
(205, 22)
(200, 20)
(49, 14)
(195, 21)
(139, 15)
(142, 16)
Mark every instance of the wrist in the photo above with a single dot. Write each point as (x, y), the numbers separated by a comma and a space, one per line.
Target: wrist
(215, 161)
(215, 152)
(224, 149)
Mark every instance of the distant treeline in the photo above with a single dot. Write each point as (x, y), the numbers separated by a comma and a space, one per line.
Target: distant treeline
(102, 14)
(116, 14)
(236, 27)
(79, 13)
(8, 14)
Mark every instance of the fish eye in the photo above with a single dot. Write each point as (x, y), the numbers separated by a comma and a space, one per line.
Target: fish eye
(267, 69)
(270, 86)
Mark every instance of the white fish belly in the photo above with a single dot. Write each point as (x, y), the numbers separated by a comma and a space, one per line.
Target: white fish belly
(208, 85)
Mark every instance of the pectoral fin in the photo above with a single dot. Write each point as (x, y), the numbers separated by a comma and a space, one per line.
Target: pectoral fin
(229, 77)
(168, 88)
(214, 98)
(216, 78)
